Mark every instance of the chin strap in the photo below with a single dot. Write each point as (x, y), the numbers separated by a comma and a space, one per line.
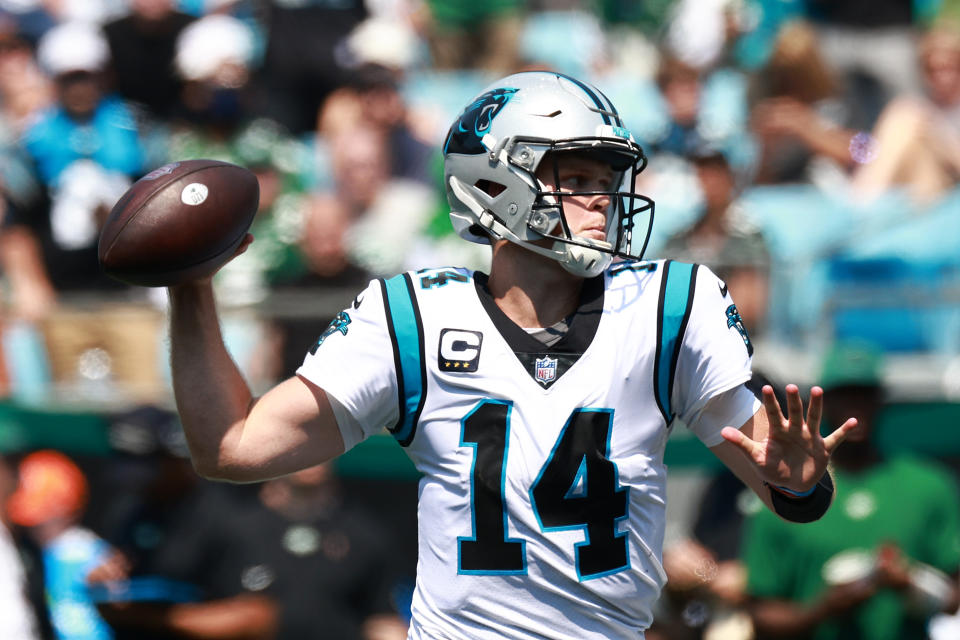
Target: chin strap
(584, 262)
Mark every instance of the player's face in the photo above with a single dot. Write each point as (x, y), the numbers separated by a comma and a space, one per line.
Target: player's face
(586, 214)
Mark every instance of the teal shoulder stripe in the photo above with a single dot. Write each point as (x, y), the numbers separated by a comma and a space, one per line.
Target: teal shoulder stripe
(676, 300)
(406, 334)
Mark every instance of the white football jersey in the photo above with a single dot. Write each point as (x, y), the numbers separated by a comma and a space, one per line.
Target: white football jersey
(542, 501)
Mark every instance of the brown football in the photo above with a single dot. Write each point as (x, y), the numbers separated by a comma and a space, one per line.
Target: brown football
(178, 223)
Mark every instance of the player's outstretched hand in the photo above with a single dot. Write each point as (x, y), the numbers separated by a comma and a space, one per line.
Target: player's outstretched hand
(793, 454)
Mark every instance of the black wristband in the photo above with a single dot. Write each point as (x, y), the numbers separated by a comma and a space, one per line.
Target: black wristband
(805, 509)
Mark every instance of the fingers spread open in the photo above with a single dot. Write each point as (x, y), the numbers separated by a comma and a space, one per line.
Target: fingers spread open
(815, 410)
(831, 441)
(772, 407)
(794, 408)
(737, 437)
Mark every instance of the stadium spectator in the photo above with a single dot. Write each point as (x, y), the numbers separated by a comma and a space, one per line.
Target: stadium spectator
(691, 108)
(50, 501)
(389, 37)
(83, 152)
(142, 47)
(300, 65)
(175, 531)
(213, 57)
(382, 106)
(681, 85)
(23, 608)
(877, 565)
(706, 588)
(798, 114)
(24, 88)
(917, 138)
(724, 240)
(870, 46)
(323, 245)
(24, 91)
(703, 34)
(386, 212)
(463, 34)
(326, 562)
(328, 266)
(74, 161)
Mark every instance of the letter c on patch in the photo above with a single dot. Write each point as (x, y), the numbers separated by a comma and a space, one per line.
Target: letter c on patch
(459, 350)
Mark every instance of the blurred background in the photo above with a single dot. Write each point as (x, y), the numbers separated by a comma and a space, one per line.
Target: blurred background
(808, 151)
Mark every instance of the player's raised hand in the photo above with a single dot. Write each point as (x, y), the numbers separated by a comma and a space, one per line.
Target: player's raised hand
(793, 454)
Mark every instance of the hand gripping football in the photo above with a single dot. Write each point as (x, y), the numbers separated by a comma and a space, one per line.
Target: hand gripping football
(178, 223)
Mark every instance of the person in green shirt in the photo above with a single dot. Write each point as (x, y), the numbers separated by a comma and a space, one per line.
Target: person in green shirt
(464, 34)
(883, 560)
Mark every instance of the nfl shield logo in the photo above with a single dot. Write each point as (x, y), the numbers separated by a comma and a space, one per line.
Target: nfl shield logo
(546, 369)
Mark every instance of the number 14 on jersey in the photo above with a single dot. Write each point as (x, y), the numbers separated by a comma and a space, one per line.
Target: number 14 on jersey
(577, 488)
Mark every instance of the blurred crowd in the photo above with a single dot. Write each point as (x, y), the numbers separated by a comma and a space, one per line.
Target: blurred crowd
(138, 546)
(808, 151)
(802, 149)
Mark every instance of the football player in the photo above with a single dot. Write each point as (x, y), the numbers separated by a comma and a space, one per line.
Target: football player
(536, 400)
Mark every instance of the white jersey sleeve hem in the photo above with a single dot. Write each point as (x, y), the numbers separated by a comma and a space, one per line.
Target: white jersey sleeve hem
(731, 407)
(350, 429)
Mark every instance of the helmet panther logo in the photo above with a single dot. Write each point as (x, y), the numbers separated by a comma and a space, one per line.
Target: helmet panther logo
(467, 132)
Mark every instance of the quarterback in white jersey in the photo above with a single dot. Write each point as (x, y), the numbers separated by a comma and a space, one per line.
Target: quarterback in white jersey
(543, 492)
(537, 400)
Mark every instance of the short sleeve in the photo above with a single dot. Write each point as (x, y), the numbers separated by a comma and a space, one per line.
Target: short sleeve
(732, 408)
(352, 361)
(715, 357)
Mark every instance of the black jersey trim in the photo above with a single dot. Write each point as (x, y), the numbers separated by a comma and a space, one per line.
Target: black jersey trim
(583, 325)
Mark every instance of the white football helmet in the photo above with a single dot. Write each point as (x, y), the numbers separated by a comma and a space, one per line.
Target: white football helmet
(492, 153)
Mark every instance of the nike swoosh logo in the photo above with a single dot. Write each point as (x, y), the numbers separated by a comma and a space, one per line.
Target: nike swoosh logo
(723, 289)
(357, 301)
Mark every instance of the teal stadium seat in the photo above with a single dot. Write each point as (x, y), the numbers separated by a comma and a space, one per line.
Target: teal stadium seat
(900, 305)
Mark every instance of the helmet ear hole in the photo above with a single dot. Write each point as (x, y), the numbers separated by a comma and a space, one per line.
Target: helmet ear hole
(492, 189)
